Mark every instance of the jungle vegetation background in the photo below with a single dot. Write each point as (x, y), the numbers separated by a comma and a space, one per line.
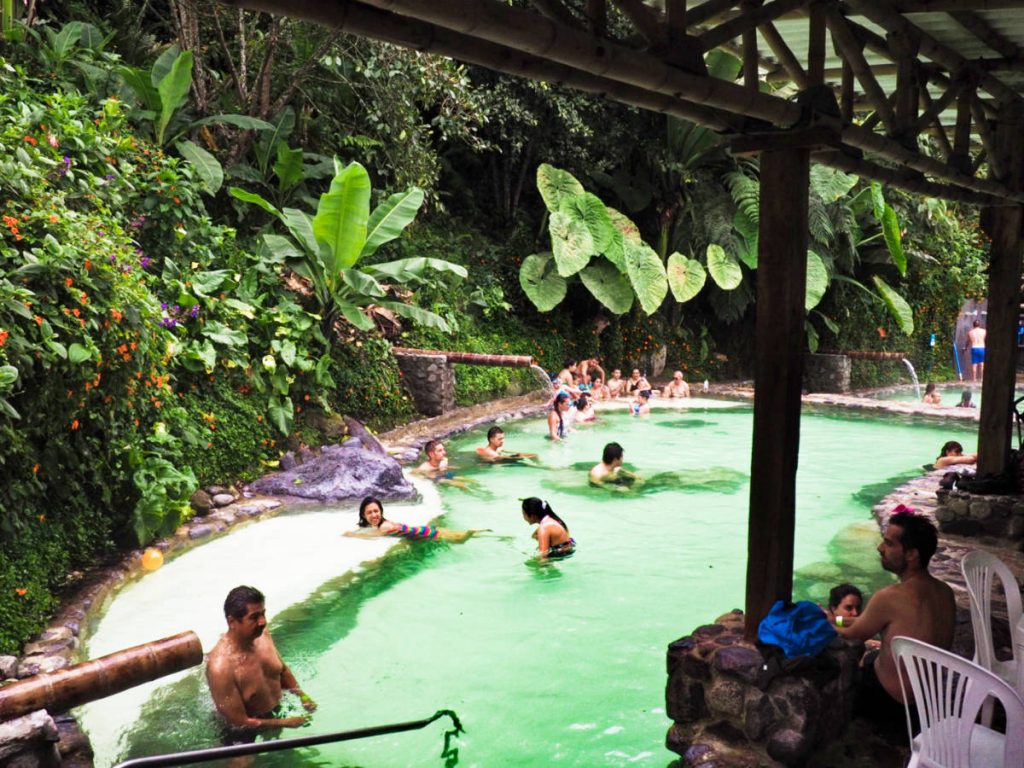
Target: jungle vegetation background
(182, 296)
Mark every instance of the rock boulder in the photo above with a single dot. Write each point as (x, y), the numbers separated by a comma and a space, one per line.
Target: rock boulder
(345, 472)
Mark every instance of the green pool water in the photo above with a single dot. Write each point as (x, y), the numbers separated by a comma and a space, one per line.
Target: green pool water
(562, 664)
(951, 394)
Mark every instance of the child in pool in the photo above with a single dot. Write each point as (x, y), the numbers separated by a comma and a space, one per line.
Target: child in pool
(371, 515)
(552, 534)
(640, 405)
(585, 408)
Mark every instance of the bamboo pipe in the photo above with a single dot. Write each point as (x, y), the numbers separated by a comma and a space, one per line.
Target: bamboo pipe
(471, 358)
(868, 355)
(95, 679)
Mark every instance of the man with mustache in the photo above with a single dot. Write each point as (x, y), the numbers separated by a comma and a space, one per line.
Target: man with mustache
(246, 674)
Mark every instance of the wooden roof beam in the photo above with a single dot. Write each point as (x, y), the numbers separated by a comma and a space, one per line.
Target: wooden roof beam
(945, 6)
(708, 11)
(781, 51)
(646, 20)
(934, 124)
(526, 32)
(359, 19)
(912, 182)
(850, 49)
(747, 21)
(984, 31)
(597, 17)
(881, 13)
(554, 10)
(988, 139)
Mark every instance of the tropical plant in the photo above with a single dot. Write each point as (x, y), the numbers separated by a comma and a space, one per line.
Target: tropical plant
(325, 249)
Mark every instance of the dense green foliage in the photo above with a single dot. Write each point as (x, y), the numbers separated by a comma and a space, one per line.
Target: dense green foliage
(158, 332)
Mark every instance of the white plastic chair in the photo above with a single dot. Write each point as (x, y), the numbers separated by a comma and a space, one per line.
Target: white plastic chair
(949, 692)
(978, 569)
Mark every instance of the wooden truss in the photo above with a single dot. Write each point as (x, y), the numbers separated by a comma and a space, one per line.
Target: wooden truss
(890, 89)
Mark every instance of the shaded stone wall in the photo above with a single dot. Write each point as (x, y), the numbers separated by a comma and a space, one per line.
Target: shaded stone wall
(827, 373)
(967, 514)
(740, 705)
(431, 382)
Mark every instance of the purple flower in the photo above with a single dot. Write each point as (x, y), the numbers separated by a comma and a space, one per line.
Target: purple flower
(194, 312)
(113, 257)
(145, 261)
(137, 223)
(177, 308)
(163, 305)
(168, 322)
(126, 268)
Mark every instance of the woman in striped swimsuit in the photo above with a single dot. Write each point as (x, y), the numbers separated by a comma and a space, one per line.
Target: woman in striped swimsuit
(371, 515)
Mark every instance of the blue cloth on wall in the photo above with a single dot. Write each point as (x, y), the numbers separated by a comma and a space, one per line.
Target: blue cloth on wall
(801, 629)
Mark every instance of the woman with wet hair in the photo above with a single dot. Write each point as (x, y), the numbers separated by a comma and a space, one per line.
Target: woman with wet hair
(558, 426)
(552, 534)
(953, 453)
(371, 515)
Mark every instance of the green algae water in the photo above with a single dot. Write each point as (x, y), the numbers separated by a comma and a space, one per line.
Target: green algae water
(556, 664)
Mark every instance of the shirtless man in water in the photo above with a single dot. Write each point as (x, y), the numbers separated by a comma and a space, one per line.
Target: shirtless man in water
(609, 469)
(919, 606)
(677, 387)
(437, 460)
(494, 450)
(246, 674)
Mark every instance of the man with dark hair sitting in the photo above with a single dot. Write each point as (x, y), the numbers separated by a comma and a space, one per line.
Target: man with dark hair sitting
(919, 606)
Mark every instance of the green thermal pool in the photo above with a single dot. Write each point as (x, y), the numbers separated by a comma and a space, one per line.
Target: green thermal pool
(562, 664)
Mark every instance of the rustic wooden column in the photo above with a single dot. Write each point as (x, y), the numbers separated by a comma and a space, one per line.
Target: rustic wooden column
(1003, 224)
(779, 340)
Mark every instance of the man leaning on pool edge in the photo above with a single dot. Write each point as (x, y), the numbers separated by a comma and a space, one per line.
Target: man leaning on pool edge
(246, 674)
(919, 606)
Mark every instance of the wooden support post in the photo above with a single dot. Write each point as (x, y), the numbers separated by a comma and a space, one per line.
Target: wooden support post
(961, 157)
(1004, 225)
(908, 84)
(779, 342)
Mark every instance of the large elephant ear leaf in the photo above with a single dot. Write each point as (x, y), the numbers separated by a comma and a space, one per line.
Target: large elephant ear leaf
(554, 184)
(571, 243)
(685, 277)
(893, 239)
(589, 209)
(817, 281)
(724, 268)
(647, 276)
(541, 282)
(625, 225)
(609, 286)
(896, 305)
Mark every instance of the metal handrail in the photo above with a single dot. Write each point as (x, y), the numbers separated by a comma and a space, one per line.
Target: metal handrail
(239, 750)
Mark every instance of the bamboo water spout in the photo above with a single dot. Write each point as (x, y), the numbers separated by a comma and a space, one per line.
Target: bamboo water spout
(471, 358)
(869, 355)
(95, 679)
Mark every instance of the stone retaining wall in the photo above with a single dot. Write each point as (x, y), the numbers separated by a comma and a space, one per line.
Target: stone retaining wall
(968, 514)
(827, 373)
(431, 382)
(744, 706)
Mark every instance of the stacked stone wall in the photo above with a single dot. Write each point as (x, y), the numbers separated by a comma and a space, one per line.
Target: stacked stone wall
(431, 382)
(968, 514)
(827, 373)
(733, 703)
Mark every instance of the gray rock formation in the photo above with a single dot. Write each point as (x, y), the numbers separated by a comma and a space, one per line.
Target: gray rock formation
(346, 472)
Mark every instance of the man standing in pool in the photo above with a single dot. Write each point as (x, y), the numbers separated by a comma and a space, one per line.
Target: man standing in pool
(919, 606)
(246, 674)
(609, 470)
(976, 337)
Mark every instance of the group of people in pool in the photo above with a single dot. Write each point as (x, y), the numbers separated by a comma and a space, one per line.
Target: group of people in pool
(932, 396)
(581, 383)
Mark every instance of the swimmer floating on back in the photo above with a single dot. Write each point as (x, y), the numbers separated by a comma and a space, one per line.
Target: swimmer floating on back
(494, 450)
(371, 516)
(552, 534)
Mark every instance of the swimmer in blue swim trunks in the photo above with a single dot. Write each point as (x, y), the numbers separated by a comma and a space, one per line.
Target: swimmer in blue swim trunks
(373, 525)
(552, 534)
(976, 337)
